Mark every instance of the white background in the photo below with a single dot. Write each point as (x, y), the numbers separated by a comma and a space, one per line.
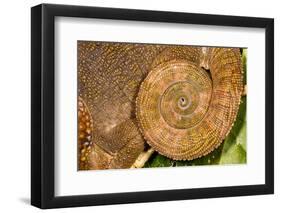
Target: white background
(15, 106)
(69, 30)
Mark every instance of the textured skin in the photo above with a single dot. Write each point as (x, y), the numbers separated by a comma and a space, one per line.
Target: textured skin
(120, 151)
(109, 80)
(85, 131)
(109, 76)
(185, 113)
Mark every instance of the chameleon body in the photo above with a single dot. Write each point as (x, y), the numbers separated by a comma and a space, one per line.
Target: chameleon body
(181, 100)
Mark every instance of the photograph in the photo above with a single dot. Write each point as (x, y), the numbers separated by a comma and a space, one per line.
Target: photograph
(132, 105)
(152, 105)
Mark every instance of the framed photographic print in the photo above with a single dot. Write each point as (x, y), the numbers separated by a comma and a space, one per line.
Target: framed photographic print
(139, 106)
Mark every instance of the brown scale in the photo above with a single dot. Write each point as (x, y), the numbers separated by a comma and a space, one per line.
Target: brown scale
(109, 76)
(120, 151)
(183, 111)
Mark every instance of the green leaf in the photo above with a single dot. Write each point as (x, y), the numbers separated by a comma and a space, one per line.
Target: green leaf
(234, 147)
(157, 160)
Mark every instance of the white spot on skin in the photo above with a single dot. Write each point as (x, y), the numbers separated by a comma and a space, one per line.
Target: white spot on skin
(204, 50)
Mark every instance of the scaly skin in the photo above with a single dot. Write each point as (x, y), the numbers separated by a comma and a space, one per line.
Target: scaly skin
(109, 80)
(109, 76)
(185, 112)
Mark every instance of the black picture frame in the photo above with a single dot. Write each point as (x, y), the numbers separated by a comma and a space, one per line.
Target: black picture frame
(43, 105)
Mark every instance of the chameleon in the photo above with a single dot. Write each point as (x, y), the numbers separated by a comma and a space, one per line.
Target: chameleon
(180, 100)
